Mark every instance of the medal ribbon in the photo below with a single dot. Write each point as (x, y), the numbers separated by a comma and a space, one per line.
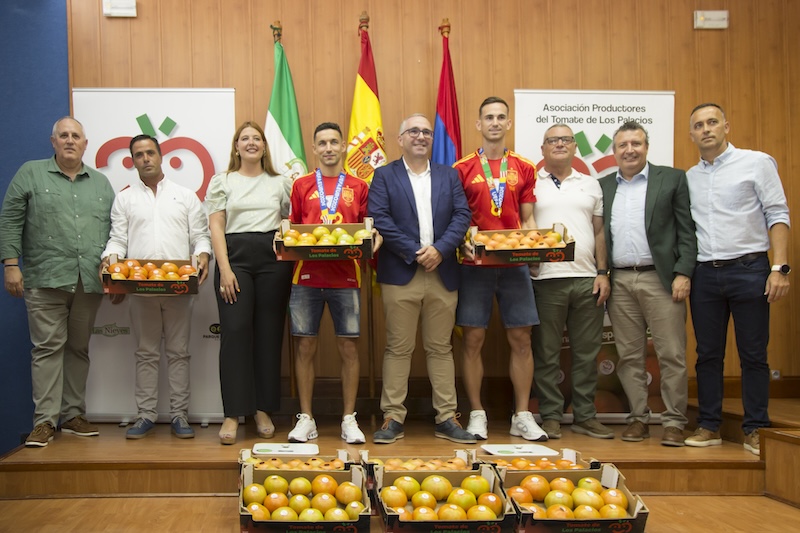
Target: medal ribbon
(500, 191)
(328, 213)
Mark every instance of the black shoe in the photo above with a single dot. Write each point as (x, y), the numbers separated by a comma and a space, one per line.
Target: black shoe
(389, 432)
(452, 430)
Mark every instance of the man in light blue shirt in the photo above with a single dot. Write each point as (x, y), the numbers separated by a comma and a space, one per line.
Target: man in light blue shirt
(732, 189)
(652, 249)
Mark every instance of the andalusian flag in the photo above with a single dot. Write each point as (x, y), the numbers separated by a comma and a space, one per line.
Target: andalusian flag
(367, 149)
(282, 126)
(447, 130)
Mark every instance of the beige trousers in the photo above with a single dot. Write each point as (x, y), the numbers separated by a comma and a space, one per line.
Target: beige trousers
(639, 300)
(424, 299)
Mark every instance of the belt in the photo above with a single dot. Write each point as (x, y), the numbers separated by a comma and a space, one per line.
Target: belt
(725, 262)
(640, 268)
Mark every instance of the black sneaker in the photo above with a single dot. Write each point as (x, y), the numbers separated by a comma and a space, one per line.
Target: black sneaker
(390, 431)
(452, 430)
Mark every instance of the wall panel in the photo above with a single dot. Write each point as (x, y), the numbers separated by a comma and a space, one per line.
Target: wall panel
(751, 69)
(176, 44)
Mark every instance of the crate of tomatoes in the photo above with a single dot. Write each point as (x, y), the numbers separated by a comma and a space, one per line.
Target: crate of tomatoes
(150, 276)
(516, 246)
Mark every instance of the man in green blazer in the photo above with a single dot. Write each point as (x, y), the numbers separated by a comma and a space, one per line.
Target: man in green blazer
(652, 251)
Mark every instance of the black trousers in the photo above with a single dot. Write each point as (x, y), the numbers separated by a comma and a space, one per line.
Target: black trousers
(252, 328)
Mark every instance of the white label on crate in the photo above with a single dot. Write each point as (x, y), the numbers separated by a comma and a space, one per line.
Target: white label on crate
(519, 449)
(285, 448)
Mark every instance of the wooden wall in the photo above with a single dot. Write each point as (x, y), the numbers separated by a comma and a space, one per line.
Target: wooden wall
(751, 69)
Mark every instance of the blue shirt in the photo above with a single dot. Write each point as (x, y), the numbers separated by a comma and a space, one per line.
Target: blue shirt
(627, 222)
(735, 200)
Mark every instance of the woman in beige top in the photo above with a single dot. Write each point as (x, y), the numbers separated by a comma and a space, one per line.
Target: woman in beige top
(245, 206)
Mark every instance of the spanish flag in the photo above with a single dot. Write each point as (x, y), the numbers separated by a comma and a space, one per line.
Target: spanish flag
(367, 148)
(447, 130)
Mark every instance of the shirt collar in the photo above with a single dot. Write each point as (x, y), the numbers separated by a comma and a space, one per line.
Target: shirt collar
(645, 173)
(408, 169)
(544, 173)
(53, 167)
(721, 158)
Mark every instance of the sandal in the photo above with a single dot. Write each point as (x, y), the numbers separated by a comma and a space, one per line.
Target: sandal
(264, 426)
(227, 433)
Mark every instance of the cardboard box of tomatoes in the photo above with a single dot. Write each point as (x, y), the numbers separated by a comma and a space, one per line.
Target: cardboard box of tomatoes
(626, 512)
(491, 510)
(280, 502)
(518, 246)
(324, 242)
(150, 276)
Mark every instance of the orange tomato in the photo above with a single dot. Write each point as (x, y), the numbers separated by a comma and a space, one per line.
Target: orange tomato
(324, 483)
(169, 267)
(156, 273)
(150, 266)
(120, 268)
(186, 270)
(131, 263)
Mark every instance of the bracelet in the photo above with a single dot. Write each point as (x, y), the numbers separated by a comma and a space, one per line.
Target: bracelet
(9, 266)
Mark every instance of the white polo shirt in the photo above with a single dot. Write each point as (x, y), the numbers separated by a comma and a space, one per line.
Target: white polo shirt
(574, 204)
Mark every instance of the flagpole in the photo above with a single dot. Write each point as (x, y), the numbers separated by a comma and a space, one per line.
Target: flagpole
(363, 25)
(277, 34)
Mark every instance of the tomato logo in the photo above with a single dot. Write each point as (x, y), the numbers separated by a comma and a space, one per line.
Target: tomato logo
(186, 144)
(180, 288)
(621, 527)
(353, 253)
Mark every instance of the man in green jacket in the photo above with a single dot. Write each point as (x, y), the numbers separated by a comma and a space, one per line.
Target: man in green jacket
(652, 250)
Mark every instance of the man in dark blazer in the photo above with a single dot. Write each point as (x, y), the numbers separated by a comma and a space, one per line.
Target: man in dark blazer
(652, 250)
(420, 209)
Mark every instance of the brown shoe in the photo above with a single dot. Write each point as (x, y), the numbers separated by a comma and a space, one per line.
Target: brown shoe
(752, 443)
(80, 426)
(635, 432)
(41, 435)
(704, 437)
(672, 436)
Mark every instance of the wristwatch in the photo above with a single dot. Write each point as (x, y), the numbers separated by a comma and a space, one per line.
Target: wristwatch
(783, 269)
(602, 272)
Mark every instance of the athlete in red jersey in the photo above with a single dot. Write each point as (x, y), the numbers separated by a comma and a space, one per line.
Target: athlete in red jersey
(351, 208)
(499, 188)
(343, 199)
(519, 183)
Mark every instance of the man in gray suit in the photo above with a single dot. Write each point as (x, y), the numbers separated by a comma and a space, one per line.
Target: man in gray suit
(652, 251)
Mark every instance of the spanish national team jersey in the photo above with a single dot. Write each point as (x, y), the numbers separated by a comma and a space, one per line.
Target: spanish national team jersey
(520, 179)
(352, 208)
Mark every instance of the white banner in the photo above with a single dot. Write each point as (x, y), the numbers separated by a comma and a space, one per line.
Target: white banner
(593, 117)
(194, 128)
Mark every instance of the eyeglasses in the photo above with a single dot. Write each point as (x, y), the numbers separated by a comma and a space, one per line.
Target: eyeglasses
(567, 140)
(414, 132)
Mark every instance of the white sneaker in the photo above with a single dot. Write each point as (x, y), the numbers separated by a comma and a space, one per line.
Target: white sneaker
(351, 433)
(523, 425)
(305, 429)
(478, 425)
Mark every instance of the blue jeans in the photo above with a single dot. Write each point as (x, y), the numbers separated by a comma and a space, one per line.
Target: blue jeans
(718, 293)
(512, 286)
(307, 303)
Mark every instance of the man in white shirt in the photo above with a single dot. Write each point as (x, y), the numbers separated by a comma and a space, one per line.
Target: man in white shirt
(740, 210)
(158, 219)
(570, 293)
